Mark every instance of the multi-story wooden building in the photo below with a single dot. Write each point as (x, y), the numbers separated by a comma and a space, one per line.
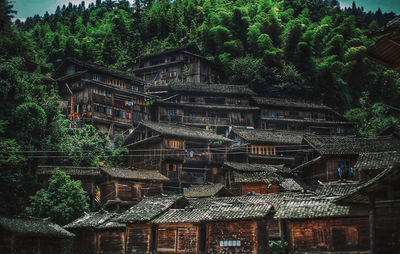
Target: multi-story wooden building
(186, 155)
(184, 63)
(264, 146)
(282, 114)
(212, 106)
(329, 159)
(386, 50)
(112, 100)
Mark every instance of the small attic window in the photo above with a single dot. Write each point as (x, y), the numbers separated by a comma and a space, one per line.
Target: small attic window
(71, 69)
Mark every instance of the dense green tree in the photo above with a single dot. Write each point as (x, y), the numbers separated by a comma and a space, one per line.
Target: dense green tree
(63, 201)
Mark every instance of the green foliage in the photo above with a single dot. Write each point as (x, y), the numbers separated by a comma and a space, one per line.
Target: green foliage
(63, 201)
(315, 38)
(371, 120)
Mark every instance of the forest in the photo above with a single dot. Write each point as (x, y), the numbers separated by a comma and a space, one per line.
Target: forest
(304, 50)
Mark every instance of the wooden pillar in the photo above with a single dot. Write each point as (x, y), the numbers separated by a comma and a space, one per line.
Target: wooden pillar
(282, 232)
(372, 223)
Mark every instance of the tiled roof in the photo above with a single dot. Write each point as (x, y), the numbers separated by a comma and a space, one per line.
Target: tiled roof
(239, 166)
(389, 176)
(210, 88)
(192, 47)
(182, 131)
(391, 26)
(259, 136)
(335, 189)
(294, 184)
(256, 177)
(206, 190)
(91, 220)
(377, 161)
(351, 145)
(287, 103)
(33, 226)
(313, 207)
(148, 208)
(208, 106)
(188, 214)
(225, 210)
(135, 174)
(72, 171)
(103, 69)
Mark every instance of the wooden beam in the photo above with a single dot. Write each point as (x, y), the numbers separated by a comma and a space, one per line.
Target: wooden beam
(394, 42)
(372, 223)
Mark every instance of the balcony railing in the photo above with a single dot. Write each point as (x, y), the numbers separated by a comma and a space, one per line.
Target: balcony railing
(175, 154)
(168, 75)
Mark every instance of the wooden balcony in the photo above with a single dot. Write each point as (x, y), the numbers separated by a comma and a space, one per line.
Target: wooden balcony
(175, 154)
(169, 118)
(169, 75)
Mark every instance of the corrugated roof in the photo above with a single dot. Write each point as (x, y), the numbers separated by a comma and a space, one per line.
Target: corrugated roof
(135, 174)
(258, 136)
(182, 131)
(91, 220)
(72, 171)
(377, 161)
(344, 145)
(33, 226)
(287, 103)
(205, 190)
(148, 208)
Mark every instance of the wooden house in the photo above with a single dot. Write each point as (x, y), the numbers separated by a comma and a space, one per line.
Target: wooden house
(312, 224)
(180, 231)
(283, 114)
(113, 101)
(264, 146)
(210, 106)
(96, 233)
(371, 164)
(215, 225)
(382, 195)
(330, 159)
(244, 178)
(183, 63)
(90, 178)
(140, 233)
(386, 50)
(186, 155)
(31, 235)
(207, 190)
(125, 187)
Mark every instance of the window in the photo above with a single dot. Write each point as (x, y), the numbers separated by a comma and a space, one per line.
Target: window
(263, 150)
(237, 102)
(229, 243)
(344, 170)
(109, 111)
(173, 58)
(171, 112)
(174, 144)
(171, 167)
(271, 114)
(96, 77)
(340, 130)
(108, 94)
